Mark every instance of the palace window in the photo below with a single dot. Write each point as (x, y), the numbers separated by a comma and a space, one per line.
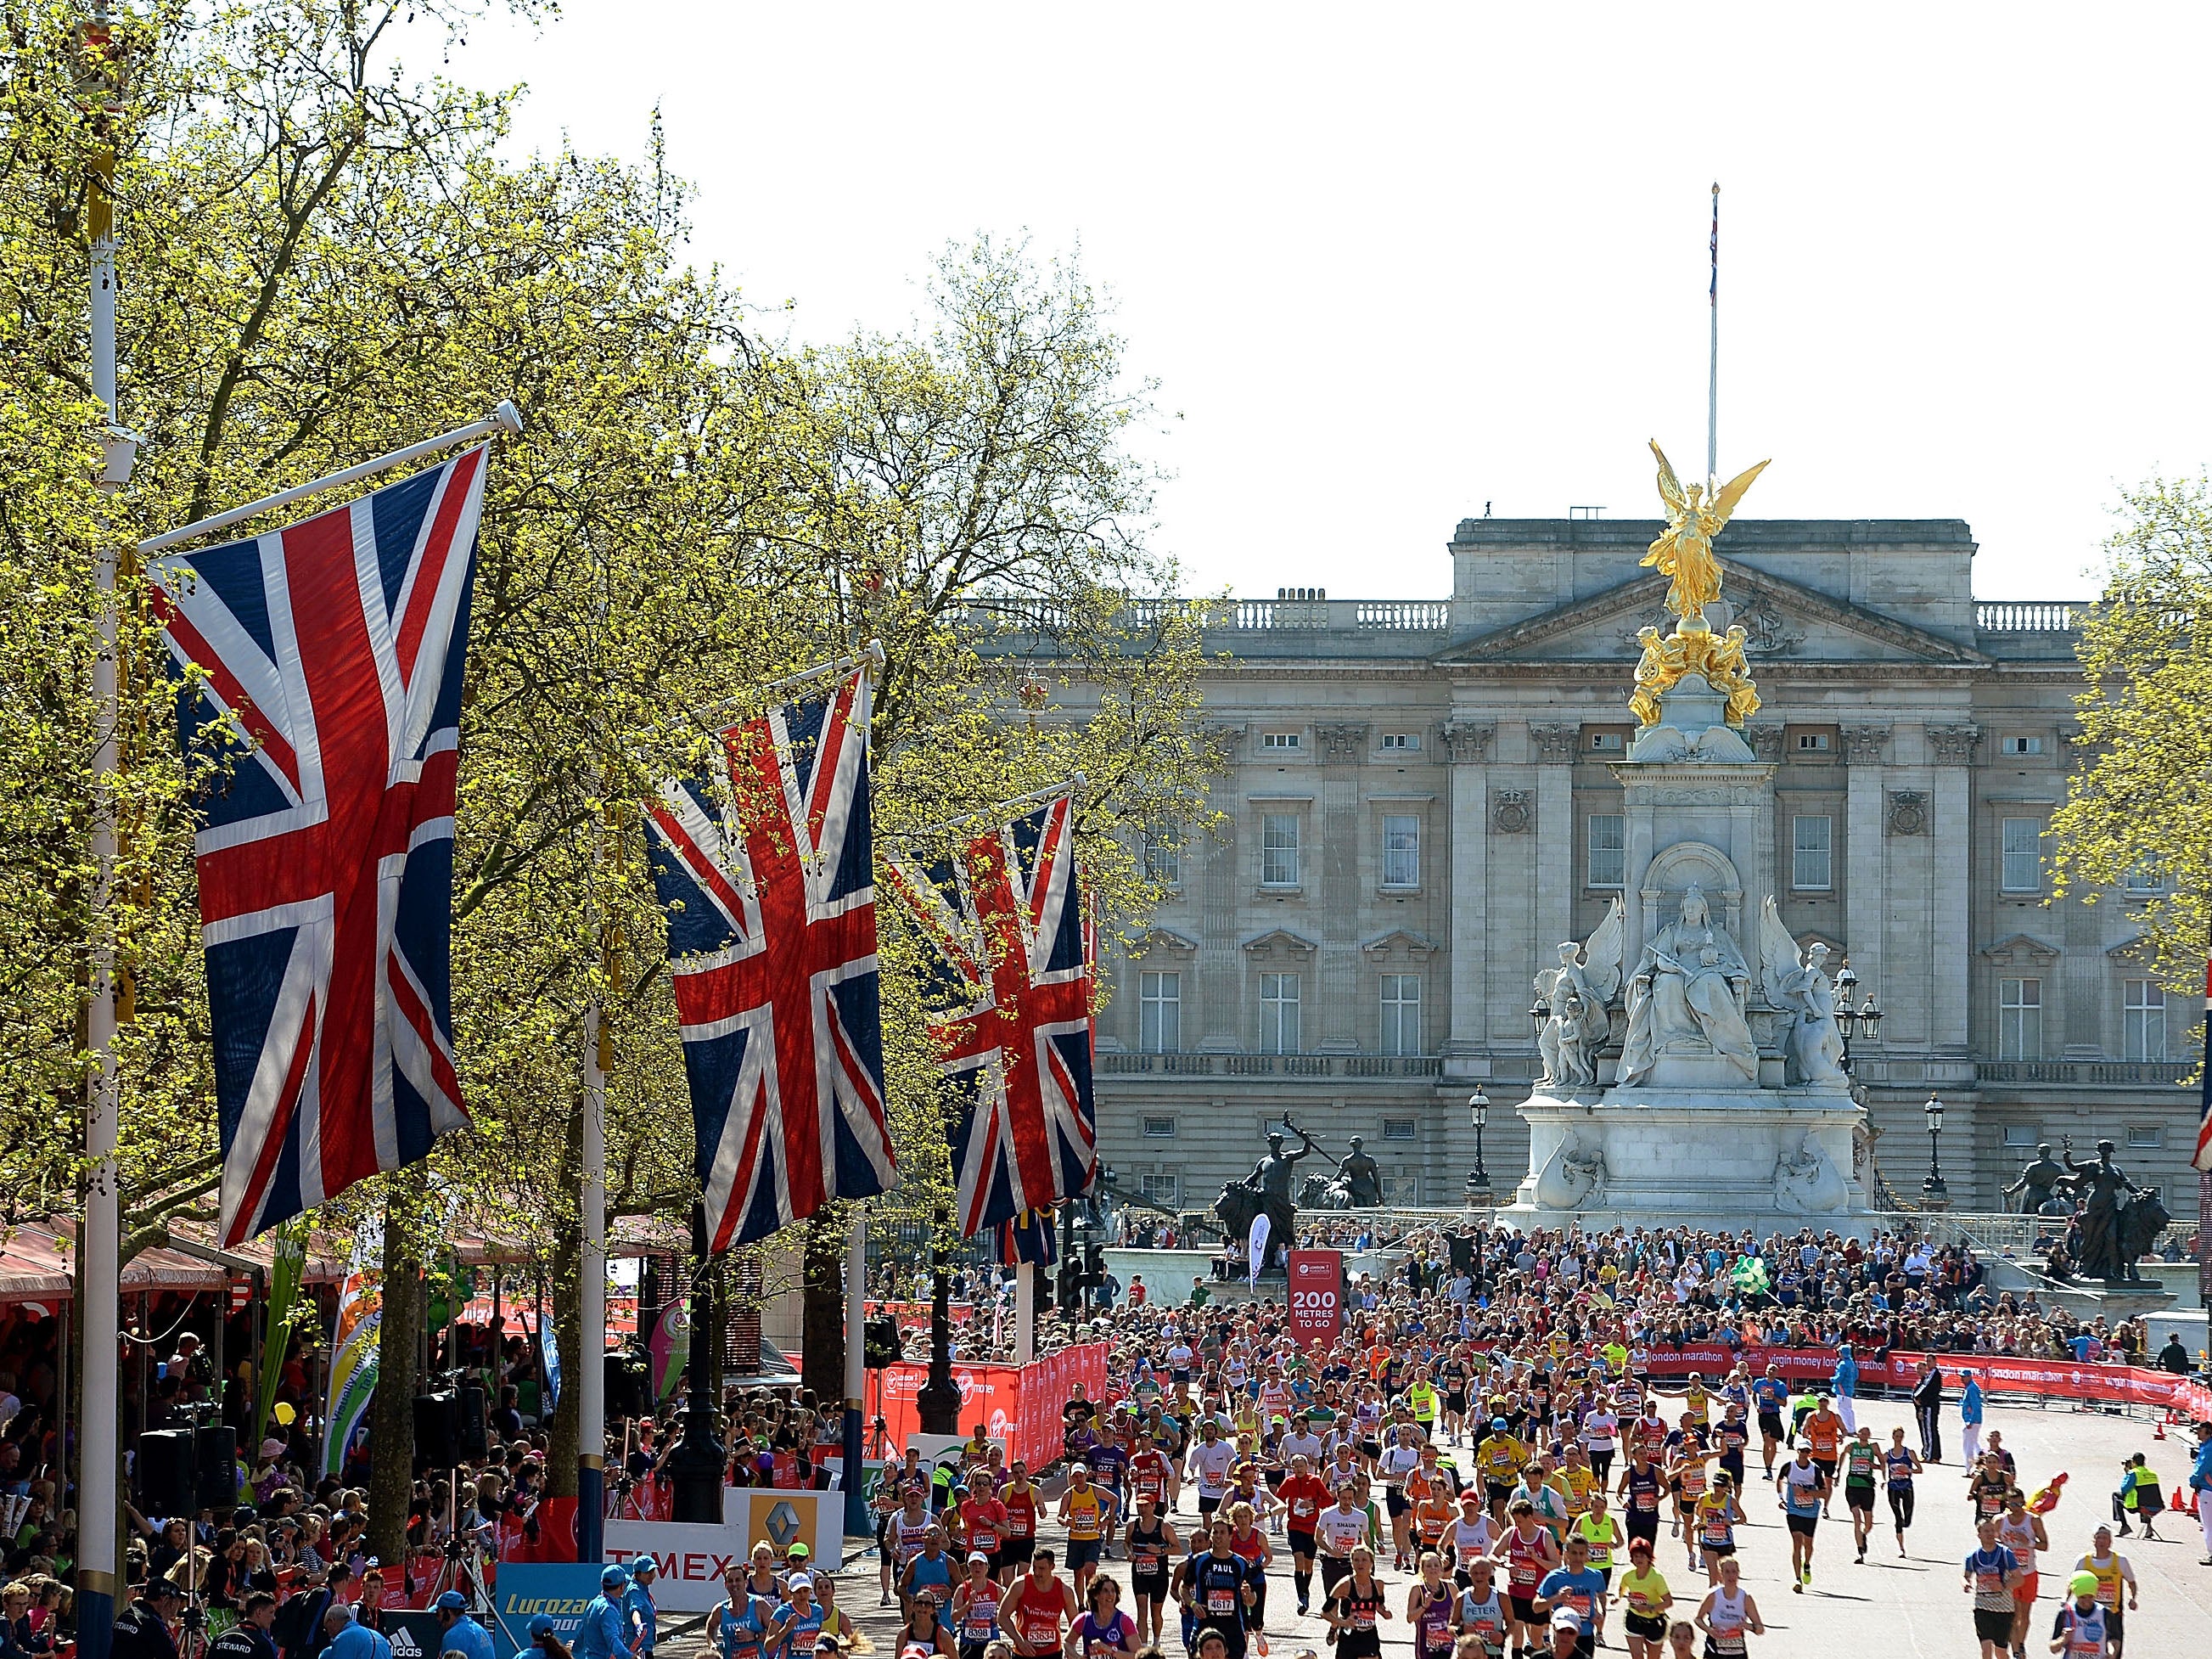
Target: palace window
(1400, 1128)
(1159, 1128)
(2020, 1019)
(2021, 1134)
(1160, 1188)
(1401, 850)
(1608, 850)
(1401, 1013)
(2029, 745)
(1278, 1013)
(1812, 836)
(1401, 740)
(1278, 741)
(2142, 1019)
(2022, 849)
(1163, 851)
(2146, 1137)
(1159, 1012)
(1279, 849)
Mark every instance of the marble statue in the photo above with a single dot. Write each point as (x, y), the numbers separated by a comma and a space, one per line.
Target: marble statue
(1576, 993)
(1812, 1048)
(1806, 1182)
(1573, 1177)
(1690, 987)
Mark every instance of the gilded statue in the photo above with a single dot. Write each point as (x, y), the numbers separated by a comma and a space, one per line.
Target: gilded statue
(1684, 552)
(1692, 648)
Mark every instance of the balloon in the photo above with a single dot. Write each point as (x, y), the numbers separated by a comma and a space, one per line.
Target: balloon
(285, 1414)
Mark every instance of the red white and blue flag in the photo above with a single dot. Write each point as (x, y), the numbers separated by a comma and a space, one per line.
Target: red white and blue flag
(329, 699)
(1028, 1237)
(1012, 968)
(2203, 1159)
(765, 868)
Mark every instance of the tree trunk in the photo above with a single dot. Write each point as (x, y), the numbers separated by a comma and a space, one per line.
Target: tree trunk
(821, 1364)
(565, 1272)
(398, 1337)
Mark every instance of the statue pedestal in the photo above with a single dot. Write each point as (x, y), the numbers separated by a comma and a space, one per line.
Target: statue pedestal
(1765, 1159)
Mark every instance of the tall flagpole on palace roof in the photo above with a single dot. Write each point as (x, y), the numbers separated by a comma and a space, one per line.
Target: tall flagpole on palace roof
(99, 1241)
(1713, 360)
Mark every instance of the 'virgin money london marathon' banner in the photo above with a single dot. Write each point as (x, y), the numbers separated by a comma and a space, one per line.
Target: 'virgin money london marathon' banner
(1020, 1405)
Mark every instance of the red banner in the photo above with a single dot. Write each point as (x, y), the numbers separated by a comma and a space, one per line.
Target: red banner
(1049, 1384)
(1316, 1297)
(2064, 1379)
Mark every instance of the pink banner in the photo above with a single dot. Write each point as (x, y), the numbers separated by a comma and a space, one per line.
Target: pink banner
(1020, 1405)
(2064, 1379)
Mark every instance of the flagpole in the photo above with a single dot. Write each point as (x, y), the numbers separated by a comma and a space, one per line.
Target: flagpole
(592, 1275)
(1050, 791)
(505, 418)
(856, 1373)
(1713, 364)
(872, 658)
(1025, 1312)
(100, 1240)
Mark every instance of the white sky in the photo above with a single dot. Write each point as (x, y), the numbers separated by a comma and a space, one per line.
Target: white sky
(1391, 262)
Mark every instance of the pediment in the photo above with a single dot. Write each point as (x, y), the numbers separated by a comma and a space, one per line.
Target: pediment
(1399, 939)
(1783, 621)
(1157, 938)
(1282, 939)
(2020, 947)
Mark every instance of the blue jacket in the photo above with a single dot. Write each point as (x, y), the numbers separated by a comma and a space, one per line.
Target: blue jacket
(2200, 1477)
(1845, 1380)
(638, 1609)
(601, 1635)
(468, 1636)
(1970, 1401)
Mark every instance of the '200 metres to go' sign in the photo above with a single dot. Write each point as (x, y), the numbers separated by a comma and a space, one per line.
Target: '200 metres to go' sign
(1316, 1297)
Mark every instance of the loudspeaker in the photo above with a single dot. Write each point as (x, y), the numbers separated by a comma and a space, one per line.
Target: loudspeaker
(168, 1476)
(215, 1460)
(1462, 1246)
(475, 1427)
(879, 1343)
(625, 1386)
(438, 1429)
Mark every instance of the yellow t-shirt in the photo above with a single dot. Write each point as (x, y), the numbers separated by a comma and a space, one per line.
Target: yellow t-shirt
(1501, 1457)
(1643, 1593)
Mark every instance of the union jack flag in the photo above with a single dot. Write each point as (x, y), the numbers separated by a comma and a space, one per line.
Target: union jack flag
(765, 868)
(2203, 1159)
(1012, 967)
(332, 655)
(1028, 1237)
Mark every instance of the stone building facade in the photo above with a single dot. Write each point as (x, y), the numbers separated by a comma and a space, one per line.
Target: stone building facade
(1422, 805)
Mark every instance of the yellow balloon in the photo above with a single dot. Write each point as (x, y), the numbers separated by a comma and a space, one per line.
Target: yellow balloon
(285, 1414)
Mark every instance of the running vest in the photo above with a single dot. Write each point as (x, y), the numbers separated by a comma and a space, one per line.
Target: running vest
(1433, 1635)
(2084, 1631)
(1726, 1622)
(979, 1613)
(1485, 1619)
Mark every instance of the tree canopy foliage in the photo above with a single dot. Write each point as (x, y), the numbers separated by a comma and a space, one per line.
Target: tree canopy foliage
(325, 255)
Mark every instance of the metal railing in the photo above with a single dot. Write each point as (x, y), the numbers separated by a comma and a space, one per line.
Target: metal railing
(1049, 617)
(2029, 616)
(1242, 1064)
(2083, 1071)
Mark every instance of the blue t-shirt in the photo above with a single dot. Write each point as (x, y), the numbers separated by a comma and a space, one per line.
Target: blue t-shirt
(1771, 1394)
(1578, 1590)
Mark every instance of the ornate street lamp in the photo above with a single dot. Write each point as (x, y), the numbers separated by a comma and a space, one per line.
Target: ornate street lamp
(936, 1402)
(697, 1468)
(1478, 1112)
(1935, 1196)
(1862, 1020)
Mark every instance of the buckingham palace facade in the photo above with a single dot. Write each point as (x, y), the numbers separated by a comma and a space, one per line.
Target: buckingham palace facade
(1420, 806)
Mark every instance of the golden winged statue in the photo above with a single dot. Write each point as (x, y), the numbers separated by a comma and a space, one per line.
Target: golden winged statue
(1684, 552)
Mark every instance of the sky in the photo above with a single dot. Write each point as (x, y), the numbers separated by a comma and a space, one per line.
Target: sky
(1389, 264)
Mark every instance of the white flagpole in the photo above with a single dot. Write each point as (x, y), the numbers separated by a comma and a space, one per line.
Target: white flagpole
(100, 1240)
(1713, 364)
(1025, 1312)
(592, 1287)
(856, 1373)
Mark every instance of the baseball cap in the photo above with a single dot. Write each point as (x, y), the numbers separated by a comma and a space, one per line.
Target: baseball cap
(453, 1601)
(974, 1556)
(614, 1576)
(1566, 1619)
(643, 1565)
(542, 1624)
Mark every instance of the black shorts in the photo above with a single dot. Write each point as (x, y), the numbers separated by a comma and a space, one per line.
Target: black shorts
(1301, 1543)
(1394, 1501)
(1207, 1505)
(1017, 1551)
(1081, 1553)
(1803, 1525)
(1827, 1469)
(1641, 1524)
(1859, 1497)
(1151, 1586)
(1770, 1424)
(2114, 1623)
(1991, 1626)
(1652, 1630)
(1524, 1607)
(1718, 1551)
(1335, 1570)
(1496, 1492)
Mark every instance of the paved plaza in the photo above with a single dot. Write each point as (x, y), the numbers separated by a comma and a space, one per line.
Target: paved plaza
(1888, 1607)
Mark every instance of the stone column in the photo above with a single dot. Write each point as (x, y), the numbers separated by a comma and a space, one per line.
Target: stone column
(1347, 1017)
(1218, 973)
(1951, 752)
(1467, 745)
(1865, 888)
(1553, 748)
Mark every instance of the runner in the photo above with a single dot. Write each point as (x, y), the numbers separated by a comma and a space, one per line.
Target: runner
(1302, 1498)
(1339, 1529)
(1084, 1509)
(1863, 1464)
(1992, 1573)
(1210, 1460)
(1725, 1615)
(1717, 1518)
(1249, 1545)
(1105, 1631)
(930, 1571)
(1599, 1528)
(1499, 1456)
(1902, 1464)
(1042, 1607)
(1431, 1610)
(1218, 1592)
(1640, 1486)
(1152, 1544)
(1769, 1396)
(1572, 1586)
(975, 1611)
(1470, 1538)
(1824, 1428)
(1529, 1554)
(739, 1623)
(1687, 1480)
(1644, 1599)
(1355, 1609)
(1017, 1547)
(1802, 1490)
(1395, 1463)
(2023, 1535)
(2082, 1629)
(1482, 1612)
(2112, 1571)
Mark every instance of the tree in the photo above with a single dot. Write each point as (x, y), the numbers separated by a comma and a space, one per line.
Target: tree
(2137, 805)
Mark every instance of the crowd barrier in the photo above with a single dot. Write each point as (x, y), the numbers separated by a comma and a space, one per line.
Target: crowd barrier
(2119, 1385)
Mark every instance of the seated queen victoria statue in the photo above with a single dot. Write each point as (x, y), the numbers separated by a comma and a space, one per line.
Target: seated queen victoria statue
(1689, 989)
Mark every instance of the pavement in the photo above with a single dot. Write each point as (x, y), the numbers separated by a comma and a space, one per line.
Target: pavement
(1887, 1607)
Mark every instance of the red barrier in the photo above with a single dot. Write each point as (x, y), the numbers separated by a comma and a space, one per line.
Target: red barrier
(1019, 1405)
(2063, 1379)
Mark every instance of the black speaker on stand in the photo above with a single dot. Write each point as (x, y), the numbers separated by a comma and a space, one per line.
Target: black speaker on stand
(168, 1473)
(438, 1429)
